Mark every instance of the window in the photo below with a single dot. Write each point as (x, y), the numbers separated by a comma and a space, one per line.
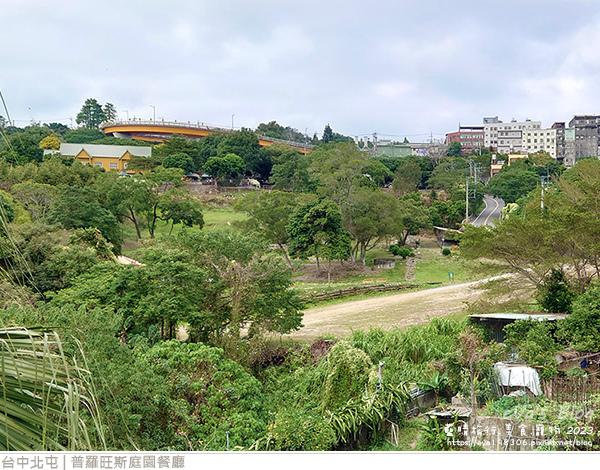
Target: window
(114, 165)
(98, 164)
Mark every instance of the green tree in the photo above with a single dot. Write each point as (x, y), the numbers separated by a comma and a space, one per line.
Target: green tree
(179, 160)
(512, 183)
(370, 217)
(407, 178)
(270, 212)
(110, 112)
(454, 149)
(316, 230)
(581, 329)
(91, 114)
(229, 166)
(79, 208)
(36, 198)
(245, 144)
(554, 293)
(414, 216)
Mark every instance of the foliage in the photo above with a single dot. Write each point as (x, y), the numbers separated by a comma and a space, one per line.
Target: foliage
(179, 160)
(407, 178)
(401, 251)
(83, 135)
(229, 166)
(582, 328)
(36, 198)
(50, 143)
(44, 395)
(316, 230)
(554, 293)
(270, 212)
(91, 114)
(535, 344)
(447, 252)
(512, 183)
(207, 400)
(79, 208)
(370, 216)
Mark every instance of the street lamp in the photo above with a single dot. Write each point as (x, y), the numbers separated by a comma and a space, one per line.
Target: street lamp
(153, 113)
(232, 126)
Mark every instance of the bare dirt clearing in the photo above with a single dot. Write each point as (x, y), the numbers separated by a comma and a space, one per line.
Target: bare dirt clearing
(390, 311)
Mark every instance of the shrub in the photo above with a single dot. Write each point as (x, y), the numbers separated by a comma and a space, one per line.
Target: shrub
(446, 252)
(401, 251)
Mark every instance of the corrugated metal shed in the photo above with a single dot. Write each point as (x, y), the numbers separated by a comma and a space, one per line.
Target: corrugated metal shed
(497, 321)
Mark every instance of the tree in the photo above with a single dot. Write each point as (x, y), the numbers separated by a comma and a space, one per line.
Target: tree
(454, 149)
(407, 178)
(290, 172)
(370, 216)
(512, 183)
(414, 216)
(581, 329)
(337, 167)
(178, 145)
(332, 137)
(270, 212)
(110, 112)
(246, 288)
(245, 144)
(229, 166)
(36, 198)
(50, 143)
(79, 208)
(180, 207)
(316, 230)
(179, 160)
(91, 114)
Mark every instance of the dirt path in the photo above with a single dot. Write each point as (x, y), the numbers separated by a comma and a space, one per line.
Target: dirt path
(391, 311)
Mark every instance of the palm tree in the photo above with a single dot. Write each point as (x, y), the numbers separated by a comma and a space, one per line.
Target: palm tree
(45, 395)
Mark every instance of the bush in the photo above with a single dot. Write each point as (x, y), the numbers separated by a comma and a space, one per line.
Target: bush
(446, 252)
(401, 251)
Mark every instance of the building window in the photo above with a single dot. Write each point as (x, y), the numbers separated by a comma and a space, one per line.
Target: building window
(114, 165)
(98, 164)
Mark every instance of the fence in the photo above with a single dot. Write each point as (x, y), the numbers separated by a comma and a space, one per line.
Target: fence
(572, 389)
(357, 290)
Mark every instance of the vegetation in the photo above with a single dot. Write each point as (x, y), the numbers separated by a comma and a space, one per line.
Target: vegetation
(178, 350)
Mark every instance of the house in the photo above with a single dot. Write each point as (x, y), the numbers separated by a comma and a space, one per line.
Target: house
(109, 157)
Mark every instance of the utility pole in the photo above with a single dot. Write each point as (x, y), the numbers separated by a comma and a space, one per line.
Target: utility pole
(467, 202)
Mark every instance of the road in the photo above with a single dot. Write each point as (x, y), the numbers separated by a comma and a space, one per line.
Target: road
(493, 206)
(390, 311)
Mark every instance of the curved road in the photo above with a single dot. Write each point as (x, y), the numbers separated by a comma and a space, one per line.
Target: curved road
(493, 206)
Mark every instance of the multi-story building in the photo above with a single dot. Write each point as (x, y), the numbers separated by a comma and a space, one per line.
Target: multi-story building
(469, 137)
(539, 140)
(587, 130)
(560, 140)
(506, 137)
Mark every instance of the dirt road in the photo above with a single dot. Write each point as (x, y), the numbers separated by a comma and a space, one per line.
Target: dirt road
(390, 311)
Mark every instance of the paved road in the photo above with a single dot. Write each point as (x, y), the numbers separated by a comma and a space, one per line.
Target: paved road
(493, 206)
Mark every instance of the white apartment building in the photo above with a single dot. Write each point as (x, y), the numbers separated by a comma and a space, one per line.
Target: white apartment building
(536, 140)
(518, 136)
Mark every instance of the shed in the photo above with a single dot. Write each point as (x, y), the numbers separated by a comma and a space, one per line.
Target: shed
(497, 321)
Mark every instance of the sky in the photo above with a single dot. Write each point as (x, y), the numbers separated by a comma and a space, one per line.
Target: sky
(403, 68)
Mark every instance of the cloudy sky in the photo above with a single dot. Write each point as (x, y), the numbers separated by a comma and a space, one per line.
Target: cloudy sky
(398, 68)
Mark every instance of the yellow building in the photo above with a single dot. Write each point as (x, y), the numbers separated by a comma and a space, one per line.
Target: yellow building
(109, 157)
